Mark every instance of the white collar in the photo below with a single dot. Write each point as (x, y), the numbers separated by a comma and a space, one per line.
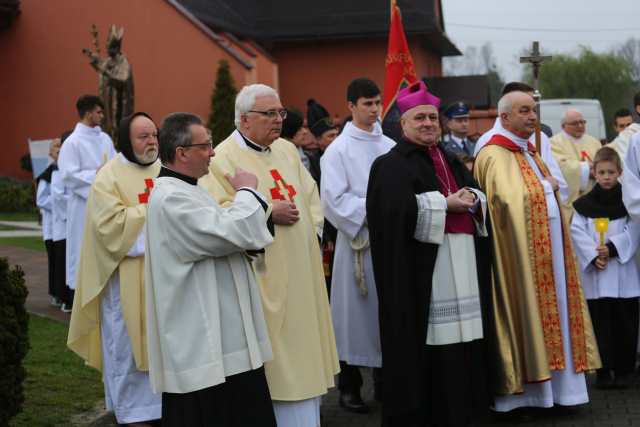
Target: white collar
(355, 132)
(93, 131)
(240, 140)
(520, 142)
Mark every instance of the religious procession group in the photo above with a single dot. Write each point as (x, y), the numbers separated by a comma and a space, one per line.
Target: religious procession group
(469, 275)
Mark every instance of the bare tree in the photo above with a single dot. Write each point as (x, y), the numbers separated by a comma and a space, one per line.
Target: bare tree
(630, 51)
(477, 61)
(473, 61)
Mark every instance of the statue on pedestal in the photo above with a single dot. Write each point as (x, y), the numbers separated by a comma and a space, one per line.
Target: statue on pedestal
(116, 79)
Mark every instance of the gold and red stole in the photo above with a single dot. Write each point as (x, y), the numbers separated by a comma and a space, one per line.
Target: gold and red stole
(528, 329)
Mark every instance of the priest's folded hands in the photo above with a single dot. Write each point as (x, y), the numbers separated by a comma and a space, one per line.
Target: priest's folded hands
(460, 201)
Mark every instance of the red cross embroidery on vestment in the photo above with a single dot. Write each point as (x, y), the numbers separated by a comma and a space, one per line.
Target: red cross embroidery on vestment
(281, 185)
(144, 196)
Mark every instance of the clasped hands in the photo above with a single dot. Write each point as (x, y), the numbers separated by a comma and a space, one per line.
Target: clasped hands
(603, 257)
(461, 201)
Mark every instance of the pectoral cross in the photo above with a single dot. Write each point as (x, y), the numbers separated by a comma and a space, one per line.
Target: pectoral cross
(536, 60)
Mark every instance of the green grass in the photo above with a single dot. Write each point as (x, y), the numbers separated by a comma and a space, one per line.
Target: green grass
(58, 383)
(19, 216)
(34, 243)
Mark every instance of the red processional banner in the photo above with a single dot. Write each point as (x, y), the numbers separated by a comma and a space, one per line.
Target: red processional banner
(399, 67)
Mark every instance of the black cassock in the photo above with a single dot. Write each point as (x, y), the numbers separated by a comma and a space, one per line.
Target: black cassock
(422, 385)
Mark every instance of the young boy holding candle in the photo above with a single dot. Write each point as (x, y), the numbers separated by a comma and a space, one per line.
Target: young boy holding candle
(605, 241)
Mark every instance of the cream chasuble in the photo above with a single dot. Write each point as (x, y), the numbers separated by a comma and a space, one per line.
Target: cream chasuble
(542, 325)
(291, 277)
(115, 215)
(573, 156)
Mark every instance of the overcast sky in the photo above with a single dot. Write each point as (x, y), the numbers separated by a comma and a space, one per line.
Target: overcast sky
(561, 26)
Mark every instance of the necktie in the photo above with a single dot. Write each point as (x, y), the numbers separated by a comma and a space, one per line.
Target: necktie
(466, 145)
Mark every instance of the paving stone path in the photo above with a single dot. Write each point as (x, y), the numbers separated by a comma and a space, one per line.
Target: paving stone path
(611, 408)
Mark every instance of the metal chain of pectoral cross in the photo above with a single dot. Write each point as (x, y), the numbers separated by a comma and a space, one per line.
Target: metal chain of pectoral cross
(536, 60)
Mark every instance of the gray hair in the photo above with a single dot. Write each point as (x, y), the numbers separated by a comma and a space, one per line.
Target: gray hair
(505, 104)
(246, 98)
(564, 119)
(175, 132)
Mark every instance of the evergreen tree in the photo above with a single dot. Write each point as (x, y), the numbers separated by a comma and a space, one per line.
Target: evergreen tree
(606, 77)
(14, 340)
(223, 100)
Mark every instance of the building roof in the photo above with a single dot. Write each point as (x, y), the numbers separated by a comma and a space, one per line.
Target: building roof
(295, 20)
(220, 41)
(473, 90)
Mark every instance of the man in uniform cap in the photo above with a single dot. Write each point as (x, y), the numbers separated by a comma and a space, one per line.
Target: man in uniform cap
(456, 140)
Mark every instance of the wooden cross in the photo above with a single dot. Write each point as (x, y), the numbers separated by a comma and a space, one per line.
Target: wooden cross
(536, 60)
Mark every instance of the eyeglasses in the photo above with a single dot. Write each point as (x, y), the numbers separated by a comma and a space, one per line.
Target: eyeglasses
(272, 114)
(577, 123)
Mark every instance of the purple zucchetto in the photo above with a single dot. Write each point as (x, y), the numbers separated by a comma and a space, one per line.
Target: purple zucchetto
(414, 95)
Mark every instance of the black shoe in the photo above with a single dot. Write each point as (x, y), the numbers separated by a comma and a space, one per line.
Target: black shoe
(603, 379)
(352, 402)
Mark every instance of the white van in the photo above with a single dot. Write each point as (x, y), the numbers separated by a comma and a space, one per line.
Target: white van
(553, 109)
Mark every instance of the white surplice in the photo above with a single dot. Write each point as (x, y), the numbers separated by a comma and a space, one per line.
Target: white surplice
(622, 142)
(44, 201)
(297, 413)
(83, 152)
(566, 387)
(345, 169)
(455, 315)
(545, 154)
(621, 278)
(127, 391)
(59, 196)
(205, 320)
(630, 179)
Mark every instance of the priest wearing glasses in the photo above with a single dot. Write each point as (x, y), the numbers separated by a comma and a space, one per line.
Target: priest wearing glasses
(290, 273)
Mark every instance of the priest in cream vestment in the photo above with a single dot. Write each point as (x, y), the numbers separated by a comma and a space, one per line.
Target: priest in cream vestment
(545, 340)
(291, 275)
(574, 151)
(108, 319)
